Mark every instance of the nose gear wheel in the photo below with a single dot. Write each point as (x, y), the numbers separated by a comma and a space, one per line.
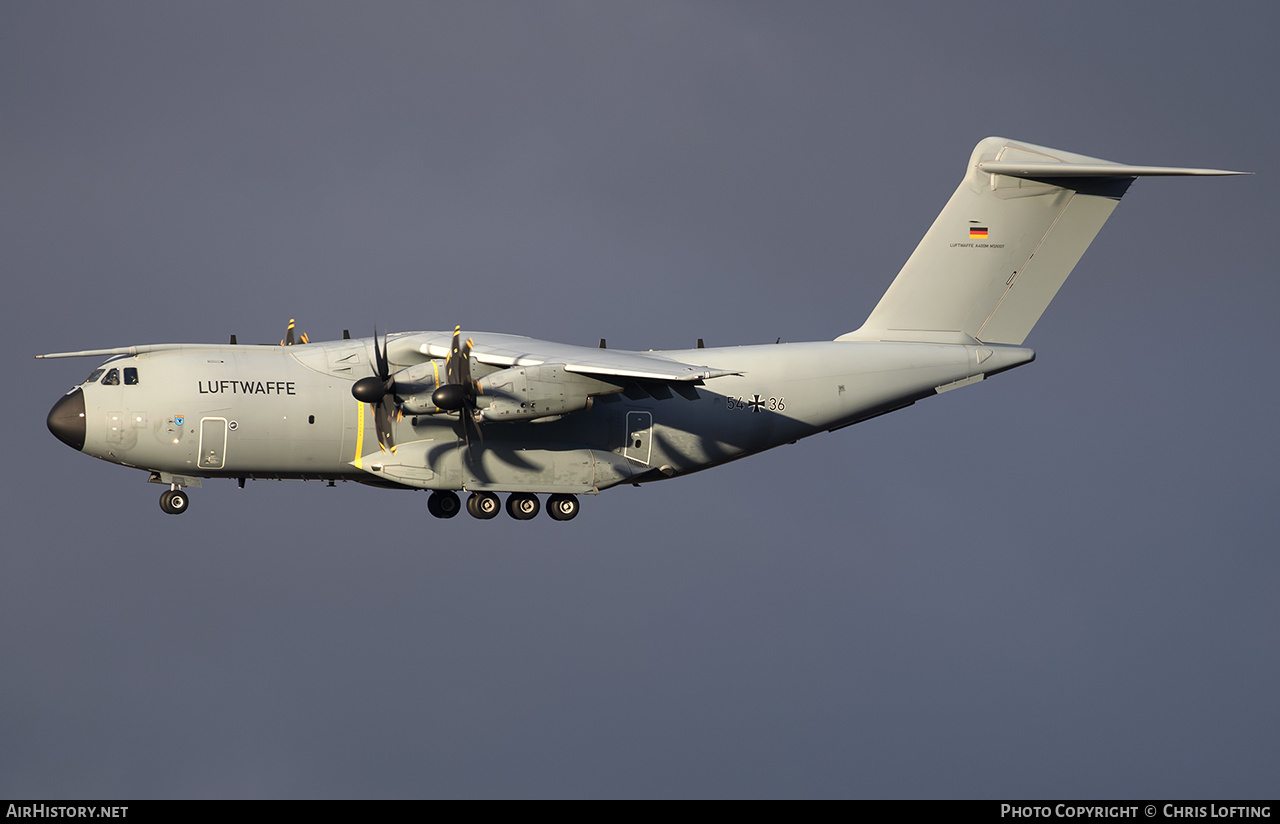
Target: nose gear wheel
(174, 501)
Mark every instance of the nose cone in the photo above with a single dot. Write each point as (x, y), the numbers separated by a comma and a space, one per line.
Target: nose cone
(66, 419)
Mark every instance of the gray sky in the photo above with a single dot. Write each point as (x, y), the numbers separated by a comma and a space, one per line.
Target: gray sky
(1059, 583)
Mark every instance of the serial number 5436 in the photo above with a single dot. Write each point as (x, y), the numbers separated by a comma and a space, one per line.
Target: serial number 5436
(756, 403)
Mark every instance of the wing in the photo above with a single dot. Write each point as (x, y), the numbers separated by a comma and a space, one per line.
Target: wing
(496, 349)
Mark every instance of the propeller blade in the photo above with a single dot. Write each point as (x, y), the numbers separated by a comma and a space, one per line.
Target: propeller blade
(384, 414)
(458, 393)
(451, 364)
(289, 339)
(379, 392)
(371, 390)
(464, 368)
(380, 355)
(469, 426)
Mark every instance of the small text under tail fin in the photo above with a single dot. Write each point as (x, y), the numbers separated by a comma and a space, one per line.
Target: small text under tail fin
(1003, 245)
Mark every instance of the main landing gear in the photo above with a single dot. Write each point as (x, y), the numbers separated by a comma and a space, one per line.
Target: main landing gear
(522, 506)
(485, 505)
(174, 501)
(563, 507)
(444, 504)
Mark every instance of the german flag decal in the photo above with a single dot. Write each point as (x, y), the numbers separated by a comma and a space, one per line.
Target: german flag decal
(977, 233)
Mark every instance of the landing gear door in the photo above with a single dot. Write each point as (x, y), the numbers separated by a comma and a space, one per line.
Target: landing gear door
(635, 445)
(213, 443)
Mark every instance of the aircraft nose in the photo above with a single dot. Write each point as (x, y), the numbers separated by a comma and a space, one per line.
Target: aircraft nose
(66, 419)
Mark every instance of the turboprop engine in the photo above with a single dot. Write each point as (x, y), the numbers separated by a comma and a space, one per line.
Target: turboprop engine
(523, 393)
(415, 386)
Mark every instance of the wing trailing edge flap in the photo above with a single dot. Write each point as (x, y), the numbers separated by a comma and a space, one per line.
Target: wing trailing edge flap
(658, 390)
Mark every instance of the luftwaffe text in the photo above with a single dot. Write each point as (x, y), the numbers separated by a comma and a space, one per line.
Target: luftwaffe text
(247, 388)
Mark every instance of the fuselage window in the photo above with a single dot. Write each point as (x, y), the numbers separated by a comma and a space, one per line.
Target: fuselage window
(97, 373)
(130, 376)
(112, 378)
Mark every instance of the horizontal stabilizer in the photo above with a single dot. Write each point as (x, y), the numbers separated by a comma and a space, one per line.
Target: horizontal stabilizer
(1042, 170)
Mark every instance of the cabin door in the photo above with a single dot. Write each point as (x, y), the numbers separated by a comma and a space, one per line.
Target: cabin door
(213, 443)
(636, 445)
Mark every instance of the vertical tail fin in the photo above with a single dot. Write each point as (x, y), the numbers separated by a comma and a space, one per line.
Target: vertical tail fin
(1003, 245)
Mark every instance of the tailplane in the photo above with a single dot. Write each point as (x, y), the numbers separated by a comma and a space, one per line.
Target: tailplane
(1003, 245)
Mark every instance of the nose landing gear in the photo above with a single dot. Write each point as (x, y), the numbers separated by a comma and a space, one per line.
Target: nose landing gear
(174, 501)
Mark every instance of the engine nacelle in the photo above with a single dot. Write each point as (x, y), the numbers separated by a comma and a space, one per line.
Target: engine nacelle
(524, 393)
(414, 387)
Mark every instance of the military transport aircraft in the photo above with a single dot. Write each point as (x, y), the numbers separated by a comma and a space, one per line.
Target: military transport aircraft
(490, 413)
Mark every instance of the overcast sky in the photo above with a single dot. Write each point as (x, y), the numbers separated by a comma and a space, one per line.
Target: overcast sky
(1059, 583)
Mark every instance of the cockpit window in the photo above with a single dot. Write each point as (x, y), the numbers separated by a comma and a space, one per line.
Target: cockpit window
(130, 376)
(97, 373)
(112, 378)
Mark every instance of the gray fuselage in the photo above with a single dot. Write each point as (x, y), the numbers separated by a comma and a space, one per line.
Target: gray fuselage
(201, 411)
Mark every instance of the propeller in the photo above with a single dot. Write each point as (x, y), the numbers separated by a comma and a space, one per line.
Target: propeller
(288, 335)
(379, 392)
(458, 394)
